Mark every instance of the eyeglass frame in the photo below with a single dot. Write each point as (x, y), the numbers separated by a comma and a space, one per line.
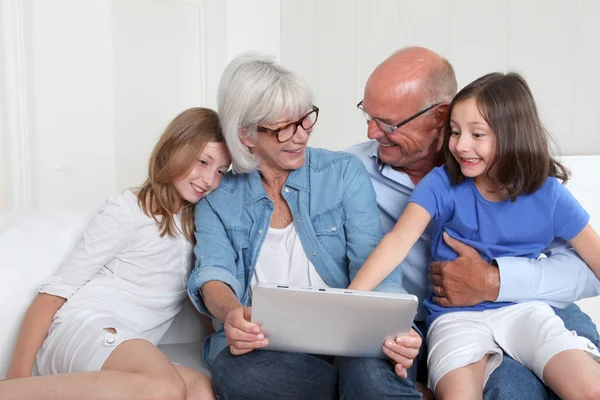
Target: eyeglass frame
(296, 124)
(390, 127)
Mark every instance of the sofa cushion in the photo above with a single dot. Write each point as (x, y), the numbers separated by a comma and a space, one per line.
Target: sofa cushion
(32, 246)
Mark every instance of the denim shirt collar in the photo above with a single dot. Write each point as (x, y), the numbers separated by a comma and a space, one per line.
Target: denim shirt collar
(297, 179)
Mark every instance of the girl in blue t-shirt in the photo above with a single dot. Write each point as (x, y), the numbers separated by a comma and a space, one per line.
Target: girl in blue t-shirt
(499, 192)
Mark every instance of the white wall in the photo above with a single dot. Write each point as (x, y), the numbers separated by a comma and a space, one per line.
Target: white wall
(159, 71)
(70, 93)
(86, 86)
(336, 44)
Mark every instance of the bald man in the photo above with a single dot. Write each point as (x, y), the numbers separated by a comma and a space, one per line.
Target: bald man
(405, 104)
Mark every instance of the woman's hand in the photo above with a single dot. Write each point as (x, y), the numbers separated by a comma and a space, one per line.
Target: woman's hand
(242, 335)
(403, 352)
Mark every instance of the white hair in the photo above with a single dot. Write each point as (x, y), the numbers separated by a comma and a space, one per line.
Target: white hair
(255, 90)
(440, 84)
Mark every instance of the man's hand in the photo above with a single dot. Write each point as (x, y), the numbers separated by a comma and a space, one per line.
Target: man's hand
(466, 281)
(403, 351)
(242, 335)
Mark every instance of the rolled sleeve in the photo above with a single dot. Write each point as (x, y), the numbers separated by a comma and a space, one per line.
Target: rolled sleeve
(205, 274)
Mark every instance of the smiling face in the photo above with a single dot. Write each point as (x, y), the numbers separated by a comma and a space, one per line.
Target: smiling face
(205, 173)
(411, 143)
(280, 157)
(472, 142)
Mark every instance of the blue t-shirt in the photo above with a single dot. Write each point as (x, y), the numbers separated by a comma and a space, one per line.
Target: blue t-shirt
(521, 228)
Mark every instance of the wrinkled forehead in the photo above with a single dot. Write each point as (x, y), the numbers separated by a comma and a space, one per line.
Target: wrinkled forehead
(394, 101)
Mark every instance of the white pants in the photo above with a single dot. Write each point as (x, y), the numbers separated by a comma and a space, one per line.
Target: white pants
(531, 333)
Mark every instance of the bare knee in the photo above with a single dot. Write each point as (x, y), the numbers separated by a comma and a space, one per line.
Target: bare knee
(200, 388)
(458, 396)
(451, 397)
(591, 392)
(166, 388)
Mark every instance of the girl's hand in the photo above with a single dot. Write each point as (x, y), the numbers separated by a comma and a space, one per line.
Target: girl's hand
(242, 335)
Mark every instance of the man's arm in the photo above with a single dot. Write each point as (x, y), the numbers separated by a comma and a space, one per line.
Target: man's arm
(558, 280)
(469, 279)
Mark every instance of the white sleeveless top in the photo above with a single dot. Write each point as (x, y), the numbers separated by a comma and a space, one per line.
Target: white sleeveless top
(282, 260)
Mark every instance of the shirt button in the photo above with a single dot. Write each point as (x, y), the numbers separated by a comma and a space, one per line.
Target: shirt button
(260, 231)
(286, 190)
(591, 346)
(298, 220)
(249, 266)
(334, 229)
(313, 254)
(110, 340)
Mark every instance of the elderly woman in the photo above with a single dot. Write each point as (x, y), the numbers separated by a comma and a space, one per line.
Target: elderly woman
(290, 214)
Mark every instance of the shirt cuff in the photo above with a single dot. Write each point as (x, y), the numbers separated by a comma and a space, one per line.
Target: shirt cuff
(516, 277)
(207, 274)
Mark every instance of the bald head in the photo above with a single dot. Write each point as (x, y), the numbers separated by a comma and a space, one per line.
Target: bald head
(416, 71)
(402, 90)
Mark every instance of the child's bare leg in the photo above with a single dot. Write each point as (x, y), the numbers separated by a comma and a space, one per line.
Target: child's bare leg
(134, 370)
(198, 385)
(425, 391)
(573, 374)
(465, 383)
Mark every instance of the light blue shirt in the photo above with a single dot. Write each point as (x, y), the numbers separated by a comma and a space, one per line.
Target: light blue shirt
(335, 213)
(523, 227)
(521, 278)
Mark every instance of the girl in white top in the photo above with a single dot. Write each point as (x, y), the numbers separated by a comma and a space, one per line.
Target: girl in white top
(95, 324)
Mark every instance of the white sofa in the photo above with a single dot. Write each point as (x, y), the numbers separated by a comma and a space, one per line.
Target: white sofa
(33, 244)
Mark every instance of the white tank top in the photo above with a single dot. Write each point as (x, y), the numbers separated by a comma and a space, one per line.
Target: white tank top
(282, 260)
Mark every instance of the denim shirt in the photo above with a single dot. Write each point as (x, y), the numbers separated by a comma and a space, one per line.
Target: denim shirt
(335, 212)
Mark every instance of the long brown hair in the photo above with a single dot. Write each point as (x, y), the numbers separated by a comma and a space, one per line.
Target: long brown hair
(172, 157)
(522, 160)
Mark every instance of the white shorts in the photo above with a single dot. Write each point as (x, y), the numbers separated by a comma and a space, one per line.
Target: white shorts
(531, 333)
(80, 343)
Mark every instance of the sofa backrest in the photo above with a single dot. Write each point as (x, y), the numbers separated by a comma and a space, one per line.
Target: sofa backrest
(585, 176)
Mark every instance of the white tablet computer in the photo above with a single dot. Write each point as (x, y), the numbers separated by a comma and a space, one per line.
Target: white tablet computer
(330, 321)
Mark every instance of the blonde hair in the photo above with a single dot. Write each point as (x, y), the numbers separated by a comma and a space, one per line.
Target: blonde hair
(172, 157)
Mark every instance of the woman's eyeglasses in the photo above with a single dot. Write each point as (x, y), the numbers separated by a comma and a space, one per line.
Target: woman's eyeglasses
(286, 132)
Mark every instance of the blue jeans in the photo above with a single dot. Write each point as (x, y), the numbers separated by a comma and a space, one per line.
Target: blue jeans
(267, 375)
(512, 380)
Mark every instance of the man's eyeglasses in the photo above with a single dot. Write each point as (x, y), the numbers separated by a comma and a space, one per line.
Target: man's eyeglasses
(388, 128)
(286, 132)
